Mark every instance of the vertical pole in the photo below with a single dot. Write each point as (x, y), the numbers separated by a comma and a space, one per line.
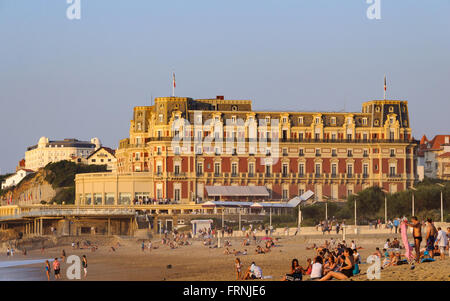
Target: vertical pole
(270, 216)
(240, 228)
(385, 209)
(109, 226)
(355, 212)
(442, 207)
(413, 204)
(223, 216)
(326, 211)
(299, 216)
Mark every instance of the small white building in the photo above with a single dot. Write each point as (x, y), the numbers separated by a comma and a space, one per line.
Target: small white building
(16, 178)
(201, 224)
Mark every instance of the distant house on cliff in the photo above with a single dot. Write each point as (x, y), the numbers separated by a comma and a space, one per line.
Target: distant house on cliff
(16, 178)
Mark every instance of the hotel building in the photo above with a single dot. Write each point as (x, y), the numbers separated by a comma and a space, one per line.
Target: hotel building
(47, 151)
(180, 146)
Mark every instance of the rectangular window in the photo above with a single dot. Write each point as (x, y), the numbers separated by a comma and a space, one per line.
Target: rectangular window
(350, 170)
(285, 170)
(97, 198)
(333, 169)
(177, 194)
(285, 194)
(251, 169)
(317, 169)
(216, 168)
(124, 198)
(199, 169)
(234, 168)
(301, 169)
(109, 198)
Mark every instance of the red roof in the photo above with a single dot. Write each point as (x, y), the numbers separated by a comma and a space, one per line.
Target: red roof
(437, 141)
(445, 155)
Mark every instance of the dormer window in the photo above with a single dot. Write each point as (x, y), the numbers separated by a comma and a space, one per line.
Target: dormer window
(333, 120)
(300, 120)
(161, 117)
(317, 120)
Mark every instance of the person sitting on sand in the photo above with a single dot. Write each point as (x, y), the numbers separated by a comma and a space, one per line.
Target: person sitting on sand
(253, 272)
(356, 257)
(377, 252)
(244, 252)
(395, 244)
(389, 261)
(313, 247)
(317, 268)
(259, 250)
(296, 271)
(307, 270)
(387, 244)
(226, 251)
(329, 265)
(346, 271)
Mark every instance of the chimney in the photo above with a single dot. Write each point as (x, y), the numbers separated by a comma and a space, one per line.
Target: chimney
(447, 139)
(221, 97)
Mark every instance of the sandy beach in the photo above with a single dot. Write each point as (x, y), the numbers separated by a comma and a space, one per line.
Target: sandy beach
(200, 263)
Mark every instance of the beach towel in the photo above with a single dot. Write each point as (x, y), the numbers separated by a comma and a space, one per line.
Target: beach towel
(408, 249)
(427, 260)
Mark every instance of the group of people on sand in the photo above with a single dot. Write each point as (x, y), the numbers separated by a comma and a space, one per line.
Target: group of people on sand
(177, 240)
(332, 260)
(55, 266)
(436, 240)
(252, 272)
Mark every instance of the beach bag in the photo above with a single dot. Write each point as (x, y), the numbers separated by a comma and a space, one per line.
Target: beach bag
(294, 277)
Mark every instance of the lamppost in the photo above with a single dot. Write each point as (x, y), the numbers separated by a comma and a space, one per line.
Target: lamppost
(270, 217)
(442, 202)
(412, 200)
(326, 206)
(385, 205)
(355, 211)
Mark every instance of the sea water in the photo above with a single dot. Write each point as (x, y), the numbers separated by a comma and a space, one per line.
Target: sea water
(20, 270)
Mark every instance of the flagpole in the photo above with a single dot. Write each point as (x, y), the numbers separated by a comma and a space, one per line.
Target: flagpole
(385, 87)
(173, 84)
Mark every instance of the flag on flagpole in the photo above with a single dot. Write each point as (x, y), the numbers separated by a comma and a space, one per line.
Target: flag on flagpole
(173, 78)
(384, 86)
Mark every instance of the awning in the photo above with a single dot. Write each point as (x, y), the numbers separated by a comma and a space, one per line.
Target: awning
(237, 191)
(256, 205)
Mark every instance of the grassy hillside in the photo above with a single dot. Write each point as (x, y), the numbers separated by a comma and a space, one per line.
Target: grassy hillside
(61, 175)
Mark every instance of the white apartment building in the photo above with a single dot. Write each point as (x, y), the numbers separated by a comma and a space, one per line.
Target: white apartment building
(47, 151)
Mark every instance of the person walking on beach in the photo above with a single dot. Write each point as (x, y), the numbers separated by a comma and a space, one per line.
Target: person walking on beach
(84, 264)
(143, 246)
(47, 269)
(417, 235)
(57, 268)
(442, 242)
(7, 252)
(149, 245)
(431, 236)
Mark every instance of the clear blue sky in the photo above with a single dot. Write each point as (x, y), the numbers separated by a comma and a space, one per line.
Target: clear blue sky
(81, 79)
